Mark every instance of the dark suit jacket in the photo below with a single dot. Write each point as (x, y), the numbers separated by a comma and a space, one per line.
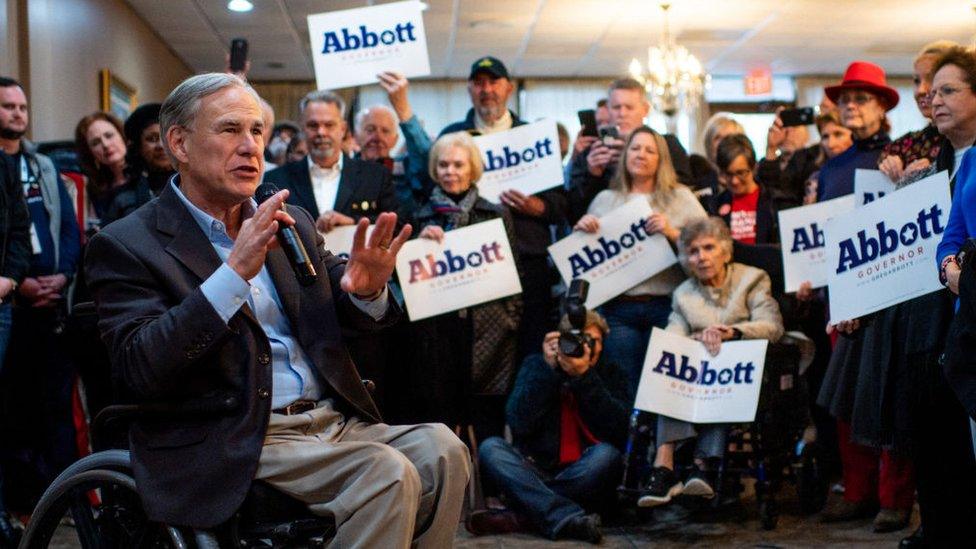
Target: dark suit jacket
(207, 383)
(360, 183)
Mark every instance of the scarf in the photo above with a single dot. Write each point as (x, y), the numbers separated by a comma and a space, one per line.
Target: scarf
(456, 214)
(572, 431)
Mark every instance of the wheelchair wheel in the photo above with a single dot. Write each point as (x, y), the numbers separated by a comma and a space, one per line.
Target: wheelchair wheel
(811, 483)
(106, 511)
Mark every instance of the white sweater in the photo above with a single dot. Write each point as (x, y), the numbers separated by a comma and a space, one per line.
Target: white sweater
(683, 209)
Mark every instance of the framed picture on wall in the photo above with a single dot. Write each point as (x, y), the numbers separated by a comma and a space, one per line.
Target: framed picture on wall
(117, 97)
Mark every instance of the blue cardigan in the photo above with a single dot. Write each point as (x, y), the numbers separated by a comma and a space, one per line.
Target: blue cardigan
(837, 174)
(962, 224)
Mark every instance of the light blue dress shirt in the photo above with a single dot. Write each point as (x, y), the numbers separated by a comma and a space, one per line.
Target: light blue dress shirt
(293, 375)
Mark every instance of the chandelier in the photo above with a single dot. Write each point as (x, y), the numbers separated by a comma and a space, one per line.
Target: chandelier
(675, 79)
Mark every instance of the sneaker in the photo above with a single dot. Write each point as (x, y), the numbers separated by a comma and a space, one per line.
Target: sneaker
(661, 487)
(889, 520)
(698, 485)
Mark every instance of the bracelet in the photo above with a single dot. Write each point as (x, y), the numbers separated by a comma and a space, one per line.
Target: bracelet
(943, 278)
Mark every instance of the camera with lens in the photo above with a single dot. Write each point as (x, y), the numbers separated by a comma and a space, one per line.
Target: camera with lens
(573, 342)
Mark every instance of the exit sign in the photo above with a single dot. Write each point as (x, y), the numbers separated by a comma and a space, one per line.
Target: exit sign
(759, 82)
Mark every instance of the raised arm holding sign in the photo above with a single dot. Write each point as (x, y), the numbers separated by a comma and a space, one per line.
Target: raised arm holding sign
(350, 47)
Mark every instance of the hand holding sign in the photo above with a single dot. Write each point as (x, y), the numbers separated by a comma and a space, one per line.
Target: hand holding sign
(884, 251)
(681, 379)
(468, 266)
(619, 254)
(330, 219)
(525, 204)
(524, 159)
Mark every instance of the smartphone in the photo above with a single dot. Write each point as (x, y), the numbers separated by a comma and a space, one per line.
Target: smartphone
(587, 119)
(238, 54)
(609, 134)
(797, 117)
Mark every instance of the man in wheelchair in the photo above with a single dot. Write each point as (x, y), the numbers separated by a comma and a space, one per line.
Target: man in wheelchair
(204, 317)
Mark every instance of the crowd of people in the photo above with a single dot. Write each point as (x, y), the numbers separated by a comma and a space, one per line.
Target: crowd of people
(890, 394)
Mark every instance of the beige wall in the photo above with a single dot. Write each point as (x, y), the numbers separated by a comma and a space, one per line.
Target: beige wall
(71, 40)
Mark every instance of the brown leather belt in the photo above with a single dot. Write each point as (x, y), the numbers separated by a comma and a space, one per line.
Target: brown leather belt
(297, 407)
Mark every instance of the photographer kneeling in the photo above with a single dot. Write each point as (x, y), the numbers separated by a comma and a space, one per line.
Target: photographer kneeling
(568, 417)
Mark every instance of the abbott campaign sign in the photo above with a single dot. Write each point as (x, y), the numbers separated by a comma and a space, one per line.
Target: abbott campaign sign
(350, 47)
(870, 185)
(803, 248)
(339, 239)
(618, 257)
(883, 253)
(682, 380)
(472, 265)
(525, 158)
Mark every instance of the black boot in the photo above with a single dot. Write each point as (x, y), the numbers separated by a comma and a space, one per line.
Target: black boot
(914, 541)
(9, 534)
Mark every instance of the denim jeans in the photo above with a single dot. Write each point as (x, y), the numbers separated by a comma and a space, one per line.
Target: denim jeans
(548, 501)
(710, 441)
(630, 331)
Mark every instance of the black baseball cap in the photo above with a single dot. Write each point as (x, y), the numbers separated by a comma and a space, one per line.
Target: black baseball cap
(489, 65)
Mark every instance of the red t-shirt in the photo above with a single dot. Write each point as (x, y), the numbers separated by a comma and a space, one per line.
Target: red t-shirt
(742, 218)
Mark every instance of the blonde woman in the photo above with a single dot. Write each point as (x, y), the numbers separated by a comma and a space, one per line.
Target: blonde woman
(466, 358)
(644, 173)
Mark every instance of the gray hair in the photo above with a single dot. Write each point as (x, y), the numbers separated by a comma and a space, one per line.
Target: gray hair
(593, 318)
(182, 104)
(363, 113)
(714, 227)
(323, 96)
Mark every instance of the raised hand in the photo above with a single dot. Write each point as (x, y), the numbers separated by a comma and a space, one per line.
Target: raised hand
(396, 86)
(371, 263)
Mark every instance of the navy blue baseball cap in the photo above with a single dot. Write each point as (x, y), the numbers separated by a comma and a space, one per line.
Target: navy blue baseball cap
(489, 65)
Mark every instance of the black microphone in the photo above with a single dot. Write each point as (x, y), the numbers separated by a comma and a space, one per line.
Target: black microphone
(290, 243)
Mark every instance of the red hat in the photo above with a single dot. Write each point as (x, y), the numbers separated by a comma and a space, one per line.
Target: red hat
(861, 75)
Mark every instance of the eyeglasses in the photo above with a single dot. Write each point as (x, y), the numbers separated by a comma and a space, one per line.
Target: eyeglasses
(741, 174)
(857, 98)
(944, 91)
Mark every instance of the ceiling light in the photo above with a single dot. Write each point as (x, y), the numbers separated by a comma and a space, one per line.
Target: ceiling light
(240, 5)
(674, 77)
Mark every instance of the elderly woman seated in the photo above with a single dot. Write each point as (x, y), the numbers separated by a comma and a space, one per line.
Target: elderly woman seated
(721, 301)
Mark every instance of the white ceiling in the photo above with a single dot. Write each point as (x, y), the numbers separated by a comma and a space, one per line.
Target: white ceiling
(585, 38)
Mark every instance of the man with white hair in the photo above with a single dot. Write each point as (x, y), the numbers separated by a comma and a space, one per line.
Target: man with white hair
(376, 132)
(334, 187)
(203, 315)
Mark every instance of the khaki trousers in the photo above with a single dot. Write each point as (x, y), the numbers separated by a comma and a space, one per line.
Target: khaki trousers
(386, 486)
